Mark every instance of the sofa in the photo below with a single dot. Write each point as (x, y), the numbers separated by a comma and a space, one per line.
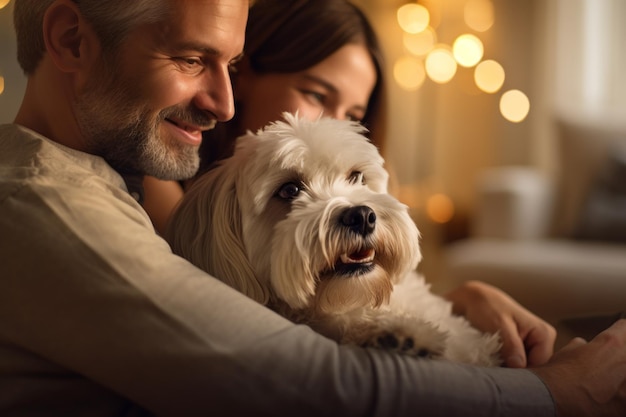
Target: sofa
(556, 243)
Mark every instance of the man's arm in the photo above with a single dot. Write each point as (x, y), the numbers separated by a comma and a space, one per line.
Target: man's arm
(88, 287)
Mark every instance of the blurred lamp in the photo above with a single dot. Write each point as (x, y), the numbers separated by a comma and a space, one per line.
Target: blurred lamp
(440, 65)
(468, 50)
(440, 208)
(514, 106)
(421, 43)
(413, 17)
(409, 73)
(489, 76)
(479, 14)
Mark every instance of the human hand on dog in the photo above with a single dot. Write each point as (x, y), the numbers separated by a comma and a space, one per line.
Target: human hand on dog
(589, 379)
(527, 340)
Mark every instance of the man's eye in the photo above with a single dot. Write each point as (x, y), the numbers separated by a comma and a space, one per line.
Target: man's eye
(289, 191)
(189, 62)
(356, 177)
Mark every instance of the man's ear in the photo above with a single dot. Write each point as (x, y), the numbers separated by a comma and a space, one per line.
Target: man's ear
(69, 39)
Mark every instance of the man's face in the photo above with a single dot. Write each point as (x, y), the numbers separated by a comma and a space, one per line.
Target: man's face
(145, 108)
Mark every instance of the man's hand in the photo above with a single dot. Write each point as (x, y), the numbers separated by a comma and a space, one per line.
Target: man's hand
(589, 379)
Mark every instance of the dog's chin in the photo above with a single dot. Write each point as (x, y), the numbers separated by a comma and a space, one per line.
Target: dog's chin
(352, 285)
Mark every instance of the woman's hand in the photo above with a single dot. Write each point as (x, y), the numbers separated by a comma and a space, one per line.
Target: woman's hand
(527, 340)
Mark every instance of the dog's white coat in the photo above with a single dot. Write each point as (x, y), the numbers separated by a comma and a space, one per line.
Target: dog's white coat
(235, 223)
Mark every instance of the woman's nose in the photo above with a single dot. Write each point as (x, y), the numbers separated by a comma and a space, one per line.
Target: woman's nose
(336, 113)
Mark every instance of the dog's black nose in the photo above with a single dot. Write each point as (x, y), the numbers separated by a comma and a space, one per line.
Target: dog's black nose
(360, 219)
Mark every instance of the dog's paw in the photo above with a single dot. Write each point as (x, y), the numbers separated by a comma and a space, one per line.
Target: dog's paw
(405, 345)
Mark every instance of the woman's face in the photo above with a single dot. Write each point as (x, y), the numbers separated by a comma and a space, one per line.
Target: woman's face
(340, 87)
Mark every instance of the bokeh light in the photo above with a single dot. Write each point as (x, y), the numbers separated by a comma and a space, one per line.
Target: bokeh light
(3, 3)
(440, 65)
(514, 106)
(479, 14)
(489, 76)
(1, 84)
(421, 43)
(413, 17)
(467, 50)
(409, 73)
(435, 11)
(440, 208)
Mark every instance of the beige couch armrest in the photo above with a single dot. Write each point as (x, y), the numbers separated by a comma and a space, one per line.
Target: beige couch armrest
(513, 203)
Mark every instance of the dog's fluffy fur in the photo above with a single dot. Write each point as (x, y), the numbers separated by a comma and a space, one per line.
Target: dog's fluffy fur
(299, 219)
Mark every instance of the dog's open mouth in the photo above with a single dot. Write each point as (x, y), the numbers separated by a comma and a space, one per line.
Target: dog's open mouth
(358, 262)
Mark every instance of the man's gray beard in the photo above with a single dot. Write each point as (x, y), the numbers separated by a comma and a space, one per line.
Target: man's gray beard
(119, 128)
(176, 162)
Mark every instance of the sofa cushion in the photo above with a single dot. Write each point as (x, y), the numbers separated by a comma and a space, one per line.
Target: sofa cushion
(603, 215)
(554, 278)
(584, 145)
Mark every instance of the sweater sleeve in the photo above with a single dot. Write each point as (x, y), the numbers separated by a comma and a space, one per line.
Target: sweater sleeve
(91, 295)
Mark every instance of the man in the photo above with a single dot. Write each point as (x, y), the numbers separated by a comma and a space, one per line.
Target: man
(97, 317)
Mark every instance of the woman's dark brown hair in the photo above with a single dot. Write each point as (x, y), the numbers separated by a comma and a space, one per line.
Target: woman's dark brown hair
(286, 36)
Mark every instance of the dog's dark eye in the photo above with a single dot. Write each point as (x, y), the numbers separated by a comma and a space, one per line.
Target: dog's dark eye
(289, 191)
(356, 177)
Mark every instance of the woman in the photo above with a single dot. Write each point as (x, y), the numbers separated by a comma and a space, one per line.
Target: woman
(321, 57)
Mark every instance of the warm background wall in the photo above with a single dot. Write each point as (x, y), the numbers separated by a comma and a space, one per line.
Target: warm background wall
(11, 77)
(565, 55)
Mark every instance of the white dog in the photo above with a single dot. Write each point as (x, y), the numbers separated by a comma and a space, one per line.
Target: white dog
(299, 219)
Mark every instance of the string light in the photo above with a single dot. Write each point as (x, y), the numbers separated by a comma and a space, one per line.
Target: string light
(413, 17)
(420, 44)
(440, 61)
(409, 73)
(489, 76)
(479, 15)
(514, 106)
(440, 64)
(467, 50)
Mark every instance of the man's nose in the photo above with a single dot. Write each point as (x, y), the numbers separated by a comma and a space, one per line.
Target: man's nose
(216, 95)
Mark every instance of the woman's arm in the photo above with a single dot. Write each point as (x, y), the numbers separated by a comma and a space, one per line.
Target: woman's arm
(161, 198)
(527, 340)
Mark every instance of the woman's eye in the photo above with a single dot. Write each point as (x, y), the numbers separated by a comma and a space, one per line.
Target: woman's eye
(356, 177)
(289, 191)
(354, 118)
(315, 96)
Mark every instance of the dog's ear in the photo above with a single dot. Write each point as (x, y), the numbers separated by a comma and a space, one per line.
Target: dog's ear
(206, 229)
